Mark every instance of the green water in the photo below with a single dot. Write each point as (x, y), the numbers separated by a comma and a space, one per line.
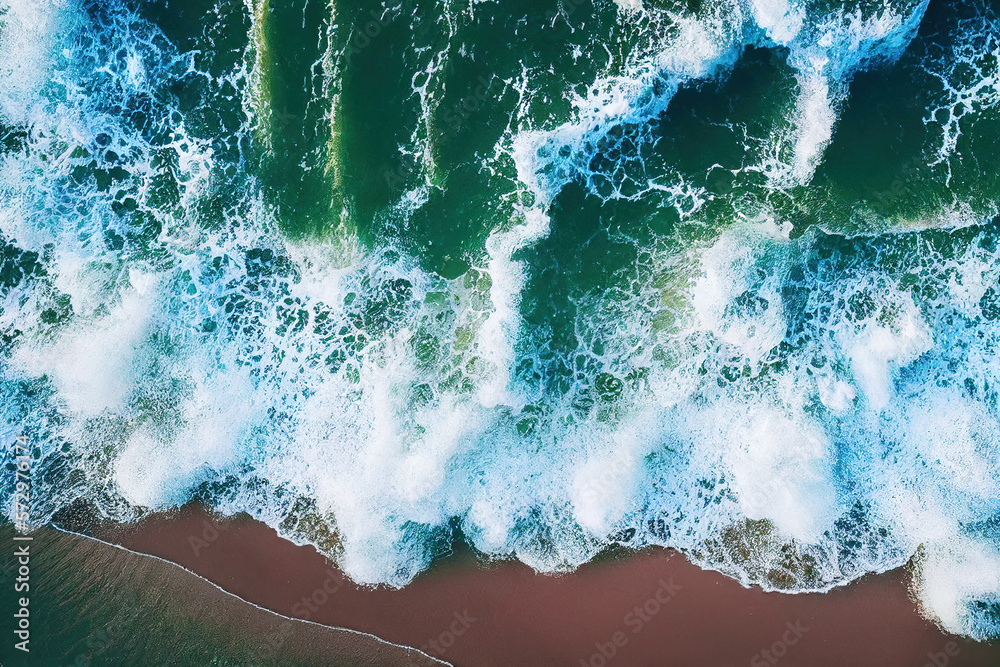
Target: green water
(556, 277)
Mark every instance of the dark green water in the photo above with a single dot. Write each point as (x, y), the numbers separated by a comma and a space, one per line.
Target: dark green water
(720, 276)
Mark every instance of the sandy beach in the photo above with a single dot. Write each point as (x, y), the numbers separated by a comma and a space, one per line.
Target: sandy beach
(650, 608)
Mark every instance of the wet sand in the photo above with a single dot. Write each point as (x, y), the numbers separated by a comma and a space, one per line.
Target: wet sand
(651, 608)
(93, 605)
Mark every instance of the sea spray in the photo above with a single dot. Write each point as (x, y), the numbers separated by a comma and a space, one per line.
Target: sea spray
(639, 300)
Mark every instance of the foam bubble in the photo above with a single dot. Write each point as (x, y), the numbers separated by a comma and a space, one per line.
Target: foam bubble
(782, 472)
(795, 412)
(969, 75)
(955, 574)
(91, 363)
(746, 316)
(781, 20)
(879, 348)
(28, 45)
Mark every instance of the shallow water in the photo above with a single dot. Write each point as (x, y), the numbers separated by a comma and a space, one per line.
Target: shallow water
(91, 603)
(719, 276)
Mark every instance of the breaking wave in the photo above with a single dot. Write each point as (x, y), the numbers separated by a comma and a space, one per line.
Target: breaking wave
(620, 287)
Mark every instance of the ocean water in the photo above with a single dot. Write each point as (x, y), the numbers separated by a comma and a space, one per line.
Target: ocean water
(717, 275)
(92, 604)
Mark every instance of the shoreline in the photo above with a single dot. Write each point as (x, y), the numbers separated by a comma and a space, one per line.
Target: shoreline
(97, 603)
(648, 608)
(225, 592)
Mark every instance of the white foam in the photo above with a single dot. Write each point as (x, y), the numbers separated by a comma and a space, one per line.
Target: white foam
(158, 472)
(388, 402)
(878, 348)
(781, 20)
(835, 394)
(728, 268)
(603, 486)
(782, 473)
(951, 574)
(29, 32)
(91, 362)
(495, 340)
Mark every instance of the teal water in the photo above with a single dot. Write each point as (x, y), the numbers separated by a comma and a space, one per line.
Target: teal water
(719, 275)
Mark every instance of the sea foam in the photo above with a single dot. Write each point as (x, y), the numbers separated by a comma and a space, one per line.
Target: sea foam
(793, 410)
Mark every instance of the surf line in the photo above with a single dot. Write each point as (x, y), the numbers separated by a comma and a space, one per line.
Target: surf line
(66, 531)
(22, 546)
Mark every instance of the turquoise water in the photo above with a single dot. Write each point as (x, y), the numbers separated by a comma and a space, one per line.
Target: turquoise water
(720, 276)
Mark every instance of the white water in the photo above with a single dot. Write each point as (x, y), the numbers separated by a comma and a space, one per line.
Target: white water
(383, 402)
